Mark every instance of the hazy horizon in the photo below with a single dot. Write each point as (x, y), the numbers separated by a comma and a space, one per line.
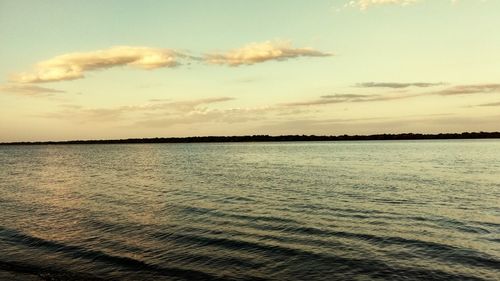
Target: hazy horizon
(139, 69)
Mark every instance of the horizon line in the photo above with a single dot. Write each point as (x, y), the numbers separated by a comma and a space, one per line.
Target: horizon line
(272, 138)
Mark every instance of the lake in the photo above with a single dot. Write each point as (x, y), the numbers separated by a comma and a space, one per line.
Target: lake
(367, 210)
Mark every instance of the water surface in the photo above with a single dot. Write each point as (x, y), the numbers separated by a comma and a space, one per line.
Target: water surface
(390, 210)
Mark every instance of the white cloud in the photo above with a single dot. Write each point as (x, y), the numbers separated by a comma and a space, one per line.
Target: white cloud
(365, 4)
(261, 52)
(74, 65)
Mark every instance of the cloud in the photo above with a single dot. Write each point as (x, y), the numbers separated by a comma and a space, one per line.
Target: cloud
(365, 4)
(167, 114)
(469, 89)
(345, 96)
(490, 104)
(397, 85)
(352, 98)
(440, 123)
(235, 115)
(74, 65)
(261, 52)
(226, 116)
(159, 100)
(328, 99)
(28, 90)
(355, 98)
(157, 107)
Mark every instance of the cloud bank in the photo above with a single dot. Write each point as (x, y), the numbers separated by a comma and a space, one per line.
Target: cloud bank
(74, 65)
(261, 52)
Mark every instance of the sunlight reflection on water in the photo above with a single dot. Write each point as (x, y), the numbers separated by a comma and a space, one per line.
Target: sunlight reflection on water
(399, 210)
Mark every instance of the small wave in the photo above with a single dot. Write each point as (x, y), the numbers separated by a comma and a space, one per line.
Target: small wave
(370, 267)
(47, 273)
(99, 256)
(217, 213)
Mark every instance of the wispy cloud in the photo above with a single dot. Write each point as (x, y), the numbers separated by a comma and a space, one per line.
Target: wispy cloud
(74, 65)
(431, 123)
(159, 114)
(229, 116)
(261, 52)
(469, 89)
(28, 90)
(356, 98)
(365, 4)
(490, 104)
(349, 98)
(156, 107)
(395, 85)
(346, 96)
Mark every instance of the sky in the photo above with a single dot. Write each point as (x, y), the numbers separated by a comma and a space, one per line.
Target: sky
(134, 69)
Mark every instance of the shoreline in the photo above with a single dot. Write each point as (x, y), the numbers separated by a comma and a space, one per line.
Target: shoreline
(268, 138)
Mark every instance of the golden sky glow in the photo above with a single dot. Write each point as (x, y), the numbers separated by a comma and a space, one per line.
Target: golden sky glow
(123, 69)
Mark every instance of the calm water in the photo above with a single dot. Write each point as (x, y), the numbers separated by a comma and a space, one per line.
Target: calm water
(395, 210)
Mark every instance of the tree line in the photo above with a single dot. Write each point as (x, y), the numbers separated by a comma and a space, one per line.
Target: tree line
(281, 138)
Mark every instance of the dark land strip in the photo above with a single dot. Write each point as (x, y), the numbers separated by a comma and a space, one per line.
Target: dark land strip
(281, 138)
